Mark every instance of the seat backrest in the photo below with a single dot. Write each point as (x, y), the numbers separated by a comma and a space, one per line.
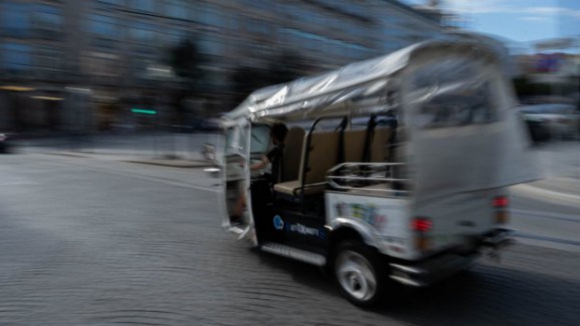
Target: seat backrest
(322, 156)
(380, 144)
(293, 154)
(354, 143)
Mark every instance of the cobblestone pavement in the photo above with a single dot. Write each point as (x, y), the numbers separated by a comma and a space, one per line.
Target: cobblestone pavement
(83, 243)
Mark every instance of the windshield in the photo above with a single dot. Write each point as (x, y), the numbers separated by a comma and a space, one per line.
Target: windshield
(260, 139)
(453, 95)
(458, 109)
(236, 140)
(230, 136)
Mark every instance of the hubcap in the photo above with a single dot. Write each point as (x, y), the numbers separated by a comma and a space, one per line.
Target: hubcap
(355, 275)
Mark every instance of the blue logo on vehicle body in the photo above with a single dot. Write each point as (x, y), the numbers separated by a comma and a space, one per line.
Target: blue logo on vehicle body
(306, 230)
(278, 222)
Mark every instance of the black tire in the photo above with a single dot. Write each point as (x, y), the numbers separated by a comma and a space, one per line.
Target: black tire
(385, 289)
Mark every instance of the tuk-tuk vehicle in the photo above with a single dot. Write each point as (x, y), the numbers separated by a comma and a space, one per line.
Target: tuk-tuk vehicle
(394, 171)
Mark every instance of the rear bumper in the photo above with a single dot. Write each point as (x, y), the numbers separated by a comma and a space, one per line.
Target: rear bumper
(435, 269)
(497, 239)
(431, 271)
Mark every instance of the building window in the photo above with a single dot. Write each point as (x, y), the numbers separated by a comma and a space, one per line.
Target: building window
(47, 21)
(102, 64)
(15, 19)
(265, 5)
(175, 37)
(111, 2)
(48, 58)
(233, 21)
(143, 33)
(139, 67)
(259, 27)
(213, 16)
(177, 9)
(104, 27)
(15, 57)
(144, 5)
(211, 46)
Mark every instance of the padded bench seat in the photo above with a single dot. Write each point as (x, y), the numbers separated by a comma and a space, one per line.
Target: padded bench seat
(319, 154)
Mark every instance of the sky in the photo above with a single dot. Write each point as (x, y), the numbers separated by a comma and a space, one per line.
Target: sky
(517, 20)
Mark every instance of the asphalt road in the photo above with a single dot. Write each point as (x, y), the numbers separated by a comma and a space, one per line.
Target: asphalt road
(88, 242)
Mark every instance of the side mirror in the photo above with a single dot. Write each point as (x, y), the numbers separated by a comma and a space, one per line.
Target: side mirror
(209, 152)
(213, 172)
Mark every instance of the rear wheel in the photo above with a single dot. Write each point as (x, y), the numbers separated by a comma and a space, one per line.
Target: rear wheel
(361, 274)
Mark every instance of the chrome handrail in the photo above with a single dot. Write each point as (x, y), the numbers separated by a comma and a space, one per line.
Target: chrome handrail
(367, 178)
(339, 166)
(331, 178)
(370, 190)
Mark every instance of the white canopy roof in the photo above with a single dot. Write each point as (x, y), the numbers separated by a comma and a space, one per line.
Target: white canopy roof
(332, 92)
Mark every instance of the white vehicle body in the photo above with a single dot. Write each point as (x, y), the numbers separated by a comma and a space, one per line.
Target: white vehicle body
(427, 207)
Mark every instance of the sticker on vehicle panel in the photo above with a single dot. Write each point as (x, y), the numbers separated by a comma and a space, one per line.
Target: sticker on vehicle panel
(278, 222)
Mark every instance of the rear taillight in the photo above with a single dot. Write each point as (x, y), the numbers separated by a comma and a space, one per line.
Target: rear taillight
(501, 204)
(421, 225)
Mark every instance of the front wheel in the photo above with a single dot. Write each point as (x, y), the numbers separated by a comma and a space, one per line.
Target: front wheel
(361, 274)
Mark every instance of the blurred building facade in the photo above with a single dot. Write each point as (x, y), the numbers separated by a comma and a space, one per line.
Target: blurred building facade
(118, 49)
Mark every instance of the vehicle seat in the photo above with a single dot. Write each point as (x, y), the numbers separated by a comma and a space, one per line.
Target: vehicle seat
(292, 154)
(322, 156)
(380, 145)
(354, 143)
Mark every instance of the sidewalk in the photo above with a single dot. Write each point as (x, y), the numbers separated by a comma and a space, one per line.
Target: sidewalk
(561, 162)
(161, 149)
(567, 185)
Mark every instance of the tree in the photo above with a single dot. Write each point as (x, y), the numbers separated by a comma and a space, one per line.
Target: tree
(244, 80)
(282, 68)
(285, 67)
(186, 61)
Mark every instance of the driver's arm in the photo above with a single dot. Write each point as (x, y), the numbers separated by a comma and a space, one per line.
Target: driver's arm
(260, 165)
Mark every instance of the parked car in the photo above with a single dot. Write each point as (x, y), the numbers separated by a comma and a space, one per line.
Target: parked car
(552, 121)
(209, 125)
(5, 143)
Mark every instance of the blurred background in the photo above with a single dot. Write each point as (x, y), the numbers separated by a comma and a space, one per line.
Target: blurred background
(128, 66)
(107, 216)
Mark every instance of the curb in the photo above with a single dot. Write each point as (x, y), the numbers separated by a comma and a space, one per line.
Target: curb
(178, 164)
(188, 165)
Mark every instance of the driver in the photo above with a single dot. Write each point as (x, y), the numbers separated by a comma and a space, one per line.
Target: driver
(274, 157)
